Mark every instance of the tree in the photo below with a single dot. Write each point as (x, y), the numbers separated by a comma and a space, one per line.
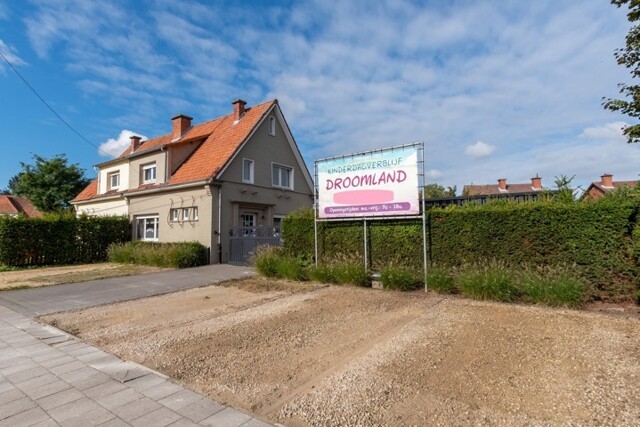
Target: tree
(11, 187)
(629, 56)
(50, 183)
(565, 194)
(433, 191)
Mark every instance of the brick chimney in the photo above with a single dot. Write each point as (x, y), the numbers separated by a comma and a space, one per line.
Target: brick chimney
(607, 180)
(536, 183)
(181, 124)
(135, 142)
(238, 108)
(502, 184)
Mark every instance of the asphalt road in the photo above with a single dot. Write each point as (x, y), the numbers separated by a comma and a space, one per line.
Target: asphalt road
(52, 299)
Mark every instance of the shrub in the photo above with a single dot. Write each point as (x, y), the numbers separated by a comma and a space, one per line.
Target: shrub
(399, 278)
(292, 268)
(349, 270)
(59, 239)
(172, 255)
(322, 273)
(554, 288)
(266, 260)
(440, 280)
(489, 282)
(600, 238)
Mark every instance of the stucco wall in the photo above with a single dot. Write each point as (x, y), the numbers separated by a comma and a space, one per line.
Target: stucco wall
(170, 231)
(103, 208)
(103, 181)
(265, 150)
(135, 168)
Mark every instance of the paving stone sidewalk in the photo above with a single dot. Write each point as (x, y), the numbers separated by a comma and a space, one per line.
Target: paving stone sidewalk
(50, 378)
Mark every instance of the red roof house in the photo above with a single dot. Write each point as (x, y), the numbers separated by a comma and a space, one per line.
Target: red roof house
(17, 205)
(198, 182)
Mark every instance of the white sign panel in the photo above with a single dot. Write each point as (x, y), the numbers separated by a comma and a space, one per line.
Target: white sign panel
(379, 183)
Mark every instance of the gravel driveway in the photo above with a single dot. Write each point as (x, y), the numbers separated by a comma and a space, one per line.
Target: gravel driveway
(312, 355)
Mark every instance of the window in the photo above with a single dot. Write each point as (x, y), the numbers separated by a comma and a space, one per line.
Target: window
(114, 180)
(281, 176)
(147, 228)
(149, 173)
(248, 220)
(184, 214)
(272, 126)
(247, 171)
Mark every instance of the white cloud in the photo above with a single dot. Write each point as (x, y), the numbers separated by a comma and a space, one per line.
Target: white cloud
(607, 132)
(434, 174)
(115, 146)
(9, 53)
(479, 149)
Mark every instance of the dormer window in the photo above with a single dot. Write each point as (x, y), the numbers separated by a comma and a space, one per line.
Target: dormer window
(272, 126)
(149, 173)
(114, 180)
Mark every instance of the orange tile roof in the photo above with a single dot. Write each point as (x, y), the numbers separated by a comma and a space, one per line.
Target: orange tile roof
(223, 138)
(13, 205)
(89, 192)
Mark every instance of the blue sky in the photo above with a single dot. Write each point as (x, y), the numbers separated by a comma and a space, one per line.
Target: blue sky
(493, 88)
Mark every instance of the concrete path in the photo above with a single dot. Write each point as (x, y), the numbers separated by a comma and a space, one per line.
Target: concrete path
(50, 378)
(52, 299)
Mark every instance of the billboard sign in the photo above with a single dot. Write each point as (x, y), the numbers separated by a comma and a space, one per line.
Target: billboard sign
(376, 183)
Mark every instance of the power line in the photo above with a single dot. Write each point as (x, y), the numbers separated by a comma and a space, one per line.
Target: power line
(50, 107)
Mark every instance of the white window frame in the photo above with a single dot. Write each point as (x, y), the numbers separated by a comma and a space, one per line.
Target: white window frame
(156, 223)
(110, 177)
(251, 164)
(145, 168)
(279, 183)
(175, 214)
(195, 212)
(185, 214)
(272, 126)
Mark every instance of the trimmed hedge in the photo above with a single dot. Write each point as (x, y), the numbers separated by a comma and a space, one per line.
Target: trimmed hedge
(599, 240)
(172, 255)
(59, 239)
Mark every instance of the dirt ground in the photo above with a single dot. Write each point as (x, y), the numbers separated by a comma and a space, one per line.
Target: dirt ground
(316, 355)
(45, 276)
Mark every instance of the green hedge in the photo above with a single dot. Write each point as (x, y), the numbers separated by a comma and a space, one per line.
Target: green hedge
(173, 255)
(58, 239)
(598, 239)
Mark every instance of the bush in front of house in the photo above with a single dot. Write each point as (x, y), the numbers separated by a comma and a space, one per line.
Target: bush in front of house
(59, 239)
(170, 255)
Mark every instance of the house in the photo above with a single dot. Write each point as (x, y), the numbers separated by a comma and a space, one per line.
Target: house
(606, 183)
(482, 193)
(17, 205)
(201, 182)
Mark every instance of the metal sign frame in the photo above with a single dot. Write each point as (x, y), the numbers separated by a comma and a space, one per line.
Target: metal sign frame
(364, 219)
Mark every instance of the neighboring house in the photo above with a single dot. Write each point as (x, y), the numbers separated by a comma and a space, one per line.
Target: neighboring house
(606, 183)
(200, 182)
(17, 205)
(483, 193)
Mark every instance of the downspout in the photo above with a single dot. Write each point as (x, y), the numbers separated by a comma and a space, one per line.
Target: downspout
(220, 224)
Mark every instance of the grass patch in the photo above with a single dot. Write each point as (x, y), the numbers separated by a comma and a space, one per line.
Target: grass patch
(553, 286)
(171, 255)
(399, 278)
(441, 280)
(349, 270)
(322, 273)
